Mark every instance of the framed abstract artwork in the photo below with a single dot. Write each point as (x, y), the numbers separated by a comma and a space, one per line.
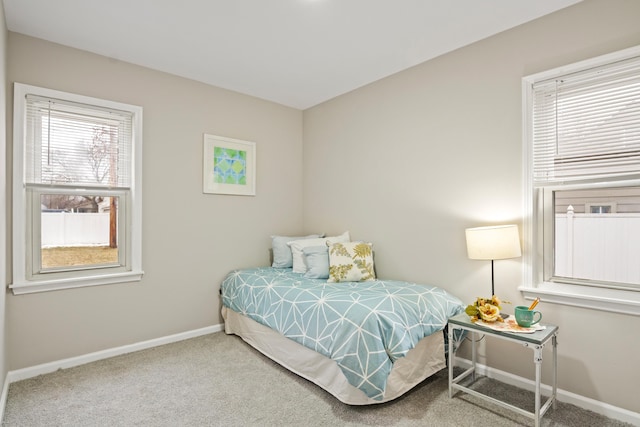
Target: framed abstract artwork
(229, 166)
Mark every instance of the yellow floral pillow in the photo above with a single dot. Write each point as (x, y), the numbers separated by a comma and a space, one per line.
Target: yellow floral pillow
(351, 262)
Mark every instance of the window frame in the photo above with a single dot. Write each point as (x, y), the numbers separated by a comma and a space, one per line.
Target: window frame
(34, 215)
(605, 298)
(26, 208)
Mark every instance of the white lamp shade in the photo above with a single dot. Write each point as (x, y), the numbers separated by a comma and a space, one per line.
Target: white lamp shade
(494, 242)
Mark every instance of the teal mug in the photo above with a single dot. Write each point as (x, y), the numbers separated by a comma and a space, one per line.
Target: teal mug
(525, 317)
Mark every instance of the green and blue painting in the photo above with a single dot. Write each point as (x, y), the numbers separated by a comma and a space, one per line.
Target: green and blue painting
(229, 166)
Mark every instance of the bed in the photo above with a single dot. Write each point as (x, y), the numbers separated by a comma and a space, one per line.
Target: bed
(365, 342)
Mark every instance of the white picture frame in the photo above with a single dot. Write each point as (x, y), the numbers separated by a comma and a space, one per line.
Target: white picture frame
(229, 166)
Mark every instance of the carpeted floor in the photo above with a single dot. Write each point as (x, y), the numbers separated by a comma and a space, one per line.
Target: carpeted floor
(218, 380)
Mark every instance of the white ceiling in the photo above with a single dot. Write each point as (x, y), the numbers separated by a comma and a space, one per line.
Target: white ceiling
(294, 52)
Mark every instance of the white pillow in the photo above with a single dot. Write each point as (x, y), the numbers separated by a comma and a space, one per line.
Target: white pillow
(299, 265)
(282, 253)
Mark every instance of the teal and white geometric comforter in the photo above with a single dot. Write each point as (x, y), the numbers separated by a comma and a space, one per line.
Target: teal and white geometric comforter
(363, 326)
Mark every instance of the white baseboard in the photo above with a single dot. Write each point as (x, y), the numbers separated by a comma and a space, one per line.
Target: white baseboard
(3, 398)
(45, 368)
(596, 406)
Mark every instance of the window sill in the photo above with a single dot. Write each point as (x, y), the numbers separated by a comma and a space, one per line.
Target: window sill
(30, 287)
(613, 300)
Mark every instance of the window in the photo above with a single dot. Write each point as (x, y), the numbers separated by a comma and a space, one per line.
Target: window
(76, 193)
(599, 208)
(582, 178)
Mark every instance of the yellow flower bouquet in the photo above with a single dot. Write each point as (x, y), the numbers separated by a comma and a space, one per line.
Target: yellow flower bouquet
(487, 309)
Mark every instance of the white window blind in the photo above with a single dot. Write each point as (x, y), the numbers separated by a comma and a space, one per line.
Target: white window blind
(73, 144)
(586, 125)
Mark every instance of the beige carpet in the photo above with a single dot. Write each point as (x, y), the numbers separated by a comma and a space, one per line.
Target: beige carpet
(218, 380)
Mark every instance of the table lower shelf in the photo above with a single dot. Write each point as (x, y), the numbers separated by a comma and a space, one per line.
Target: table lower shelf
(467, 388)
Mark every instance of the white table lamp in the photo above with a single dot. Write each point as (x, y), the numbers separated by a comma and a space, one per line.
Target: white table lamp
(493, 242)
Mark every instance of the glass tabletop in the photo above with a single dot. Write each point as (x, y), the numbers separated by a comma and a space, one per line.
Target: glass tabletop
(537, 337)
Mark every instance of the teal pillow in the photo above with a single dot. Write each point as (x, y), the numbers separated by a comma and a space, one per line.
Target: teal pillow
(282, 252)
(317, 260)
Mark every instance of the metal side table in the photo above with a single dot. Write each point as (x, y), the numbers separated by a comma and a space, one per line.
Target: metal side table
(535, 341)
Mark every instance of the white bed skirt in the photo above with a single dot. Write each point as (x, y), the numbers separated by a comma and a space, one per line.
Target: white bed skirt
(424, 360)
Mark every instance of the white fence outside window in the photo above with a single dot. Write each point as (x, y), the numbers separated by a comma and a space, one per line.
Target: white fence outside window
(74, 229)
(602, 247)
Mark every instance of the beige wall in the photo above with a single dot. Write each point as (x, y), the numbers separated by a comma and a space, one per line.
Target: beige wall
(190, 240)
(3, 196)
(412, 160)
